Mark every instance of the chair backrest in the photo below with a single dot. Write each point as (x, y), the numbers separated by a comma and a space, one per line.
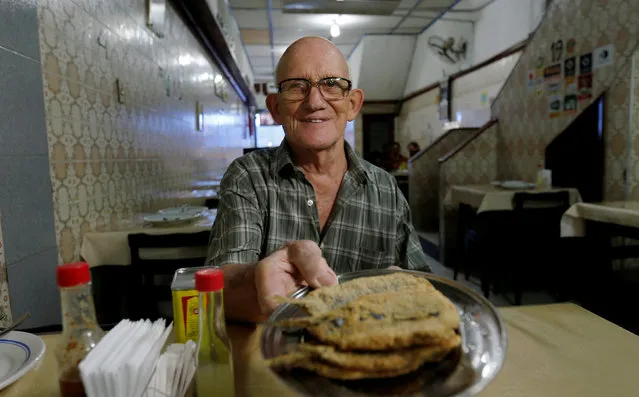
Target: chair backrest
(539, 214)
(546, 200)
(156, 272)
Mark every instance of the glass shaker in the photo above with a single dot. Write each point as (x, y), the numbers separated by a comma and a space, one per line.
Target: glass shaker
(214, 375)
(80, 330)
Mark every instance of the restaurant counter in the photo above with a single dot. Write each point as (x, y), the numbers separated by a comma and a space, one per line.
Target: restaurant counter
(553, 350)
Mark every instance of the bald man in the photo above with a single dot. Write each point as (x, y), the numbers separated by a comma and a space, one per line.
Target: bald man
(311, 208)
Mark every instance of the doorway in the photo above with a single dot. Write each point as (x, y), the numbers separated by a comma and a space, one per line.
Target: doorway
(378, 132)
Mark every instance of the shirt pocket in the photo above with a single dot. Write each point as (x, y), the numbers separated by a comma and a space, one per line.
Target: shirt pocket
(374, 259)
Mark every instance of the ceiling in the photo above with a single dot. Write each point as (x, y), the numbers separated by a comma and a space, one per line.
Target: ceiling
(268, 27)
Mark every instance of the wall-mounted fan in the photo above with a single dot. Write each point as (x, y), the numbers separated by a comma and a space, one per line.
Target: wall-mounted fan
(448, 50)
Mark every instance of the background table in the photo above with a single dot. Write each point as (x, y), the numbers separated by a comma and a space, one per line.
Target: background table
(620, 213)
(186, 197)
(553, 350)
(494, 198)
(112, 247)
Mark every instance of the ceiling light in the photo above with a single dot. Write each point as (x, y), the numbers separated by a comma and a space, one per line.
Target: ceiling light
(335, 30)
(218, 78)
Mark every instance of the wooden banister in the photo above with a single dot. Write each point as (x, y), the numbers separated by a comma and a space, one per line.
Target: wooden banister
(436, 141)
(462, 145)
(420, 92)
(512, 50)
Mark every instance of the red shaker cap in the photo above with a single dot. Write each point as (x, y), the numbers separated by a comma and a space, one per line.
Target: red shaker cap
(209, 280)
(73, 274)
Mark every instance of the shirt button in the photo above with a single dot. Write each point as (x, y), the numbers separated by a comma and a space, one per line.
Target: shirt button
(309, 203)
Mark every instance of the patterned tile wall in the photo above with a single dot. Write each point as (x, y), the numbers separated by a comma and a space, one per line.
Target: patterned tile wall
(633, 145)
(524, 126)
(423, 179)
(418, 120)
(476, 163)
(114, 154)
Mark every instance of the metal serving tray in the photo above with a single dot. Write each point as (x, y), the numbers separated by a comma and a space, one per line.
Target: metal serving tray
(463, 373)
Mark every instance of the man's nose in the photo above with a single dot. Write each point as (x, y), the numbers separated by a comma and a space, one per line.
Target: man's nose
(315, 100)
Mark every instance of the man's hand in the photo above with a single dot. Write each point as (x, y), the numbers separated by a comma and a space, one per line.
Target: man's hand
(296, 264)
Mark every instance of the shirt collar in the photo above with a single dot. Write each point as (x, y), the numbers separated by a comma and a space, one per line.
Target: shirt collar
(283, 162)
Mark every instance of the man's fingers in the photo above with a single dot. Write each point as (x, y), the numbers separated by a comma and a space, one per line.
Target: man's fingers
(306, 256)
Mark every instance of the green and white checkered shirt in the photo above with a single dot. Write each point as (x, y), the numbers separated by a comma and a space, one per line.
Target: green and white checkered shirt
(266, 201)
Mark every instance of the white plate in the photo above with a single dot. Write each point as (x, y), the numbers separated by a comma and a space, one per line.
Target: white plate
(19, 353)
(166, 219)
(185, 209)
(516, 185)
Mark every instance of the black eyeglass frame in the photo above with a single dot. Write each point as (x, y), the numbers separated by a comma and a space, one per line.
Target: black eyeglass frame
(316, 84)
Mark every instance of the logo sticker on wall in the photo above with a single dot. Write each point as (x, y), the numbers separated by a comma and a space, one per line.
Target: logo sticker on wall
(603, 56)
(584, 87)
(557, 50)
(585, 63)
(530, 80)
(570, 46)
(554, 106)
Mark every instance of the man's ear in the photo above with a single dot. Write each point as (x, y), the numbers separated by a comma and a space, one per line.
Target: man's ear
(273, 105)
(355, 102)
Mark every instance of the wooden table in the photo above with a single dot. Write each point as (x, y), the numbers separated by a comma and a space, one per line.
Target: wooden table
(553, 350)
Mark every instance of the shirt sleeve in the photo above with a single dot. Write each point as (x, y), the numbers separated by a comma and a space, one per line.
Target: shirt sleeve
(237, 232)
(409, 249)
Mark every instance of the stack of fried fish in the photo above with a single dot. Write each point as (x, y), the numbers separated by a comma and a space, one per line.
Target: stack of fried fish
(373, 327)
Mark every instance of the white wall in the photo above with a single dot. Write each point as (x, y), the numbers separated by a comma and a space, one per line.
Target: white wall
(504, 23)
(427, 68)
(355, 64)
(384, 65)
(474, 91)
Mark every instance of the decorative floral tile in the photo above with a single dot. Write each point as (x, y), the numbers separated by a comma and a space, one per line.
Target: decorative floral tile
(110, 160)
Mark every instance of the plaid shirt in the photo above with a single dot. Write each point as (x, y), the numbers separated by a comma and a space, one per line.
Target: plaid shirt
(266, 201)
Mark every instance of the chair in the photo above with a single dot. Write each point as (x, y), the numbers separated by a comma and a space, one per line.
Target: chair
(465, 218)
(537, 238)
(155, 275)
(508, 244)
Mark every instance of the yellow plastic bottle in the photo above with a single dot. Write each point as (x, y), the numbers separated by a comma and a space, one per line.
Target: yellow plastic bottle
(214, 376)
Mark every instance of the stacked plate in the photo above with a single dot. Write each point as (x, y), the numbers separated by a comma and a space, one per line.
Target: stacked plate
(175, 215)
(20, 352)
(514, 185)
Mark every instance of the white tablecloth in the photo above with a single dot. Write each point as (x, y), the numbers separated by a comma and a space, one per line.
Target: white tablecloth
(112, 247)
(494, 198)
(622, 213)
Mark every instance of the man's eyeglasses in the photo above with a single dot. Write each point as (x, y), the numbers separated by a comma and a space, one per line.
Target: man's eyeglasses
(332, 88)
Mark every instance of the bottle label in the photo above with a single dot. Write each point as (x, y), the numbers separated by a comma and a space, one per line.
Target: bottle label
(185, 315)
